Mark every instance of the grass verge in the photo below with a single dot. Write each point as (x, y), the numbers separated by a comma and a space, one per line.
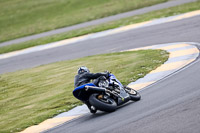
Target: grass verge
(26, 17)
(135, 19)
(30, 96)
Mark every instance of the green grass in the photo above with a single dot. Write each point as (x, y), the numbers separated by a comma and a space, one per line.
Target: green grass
(20, 18)
(30, 96)
(136, 19)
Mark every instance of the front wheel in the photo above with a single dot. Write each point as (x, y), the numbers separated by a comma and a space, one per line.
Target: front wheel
(134, 95)
(103, 102)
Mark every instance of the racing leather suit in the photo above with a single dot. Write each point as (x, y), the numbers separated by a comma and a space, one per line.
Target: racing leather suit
(86, 77)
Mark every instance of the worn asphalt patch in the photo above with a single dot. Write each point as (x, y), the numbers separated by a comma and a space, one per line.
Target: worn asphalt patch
(181, 54)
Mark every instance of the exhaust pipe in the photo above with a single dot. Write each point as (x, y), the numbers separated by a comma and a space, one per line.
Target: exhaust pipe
(93, 88)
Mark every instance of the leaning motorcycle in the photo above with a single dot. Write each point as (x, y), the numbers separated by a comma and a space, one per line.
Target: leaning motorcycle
(105, 94)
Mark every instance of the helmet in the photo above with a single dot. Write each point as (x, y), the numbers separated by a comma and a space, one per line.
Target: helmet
(83, 69)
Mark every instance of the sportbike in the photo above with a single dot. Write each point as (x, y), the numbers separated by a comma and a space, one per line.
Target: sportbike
(105, 94)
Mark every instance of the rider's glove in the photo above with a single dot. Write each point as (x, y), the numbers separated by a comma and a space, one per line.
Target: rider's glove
(107, 74)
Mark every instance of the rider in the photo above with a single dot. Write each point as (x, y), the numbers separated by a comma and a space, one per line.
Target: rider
(84, 76)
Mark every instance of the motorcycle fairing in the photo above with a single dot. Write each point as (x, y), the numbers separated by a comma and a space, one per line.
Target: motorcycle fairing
(80, 92)
(123, 93)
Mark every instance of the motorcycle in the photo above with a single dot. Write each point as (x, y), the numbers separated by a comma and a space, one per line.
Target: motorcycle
(105, 94)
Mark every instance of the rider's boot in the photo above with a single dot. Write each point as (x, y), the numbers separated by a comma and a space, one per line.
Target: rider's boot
(91, 108)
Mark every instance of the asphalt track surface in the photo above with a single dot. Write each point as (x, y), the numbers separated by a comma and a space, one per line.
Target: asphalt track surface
(171, 105)
(186, 30)
(168, 4)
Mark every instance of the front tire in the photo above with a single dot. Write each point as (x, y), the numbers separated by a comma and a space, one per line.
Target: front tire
(134, 95)
(104, 104)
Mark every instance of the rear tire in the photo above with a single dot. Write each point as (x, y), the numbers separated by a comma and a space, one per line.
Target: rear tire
(107, 105)
(134, 95)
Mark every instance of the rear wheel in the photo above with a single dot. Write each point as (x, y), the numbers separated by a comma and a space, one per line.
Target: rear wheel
(103, 102)
(134, 95)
